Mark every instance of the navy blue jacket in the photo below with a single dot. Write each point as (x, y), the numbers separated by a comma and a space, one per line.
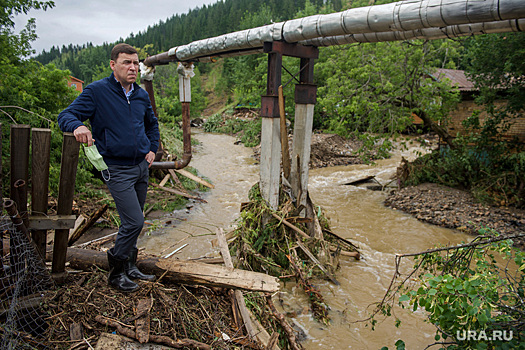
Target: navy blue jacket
(124, 132)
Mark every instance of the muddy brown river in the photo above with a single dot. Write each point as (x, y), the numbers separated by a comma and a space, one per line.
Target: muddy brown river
(355, 213)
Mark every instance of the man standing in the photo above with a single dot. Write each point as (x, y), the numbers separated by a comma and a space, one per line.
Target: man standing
(126, 133)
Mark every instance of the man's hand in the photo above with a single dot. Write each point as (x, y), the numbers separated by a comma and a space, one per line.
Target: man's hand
(83, 135)
(150, 157)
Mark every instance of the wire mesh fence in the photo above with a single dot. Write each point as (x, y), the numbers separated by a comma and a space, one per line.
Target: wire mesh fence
(24, 281)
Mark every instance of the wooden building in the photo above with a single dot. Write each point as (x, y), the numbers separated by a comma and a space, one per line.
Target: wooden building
(75, 83)
(467, 105)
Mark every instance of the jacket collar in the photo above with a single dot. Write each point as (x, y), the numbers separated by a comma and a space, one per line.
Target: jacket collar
(116, 83)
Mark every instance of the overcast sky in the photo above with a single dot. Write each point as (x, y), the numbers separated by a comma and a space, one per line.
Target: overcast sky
(98, 21)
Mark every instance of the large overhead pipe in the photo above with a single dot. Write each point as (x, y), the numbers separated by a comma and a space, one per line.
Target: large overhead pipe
(517, 25)
(403, 16)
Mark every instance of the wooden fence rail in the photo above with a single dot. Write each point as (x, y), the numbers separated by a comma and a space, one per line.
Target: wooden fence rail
(39, 222)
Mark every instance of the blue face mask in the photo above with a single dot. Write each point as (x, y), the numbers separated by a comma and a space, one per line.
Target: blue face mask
(95, 158)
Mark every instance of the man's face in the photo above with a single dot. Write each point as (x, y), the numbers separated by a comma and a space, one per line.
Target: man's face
(125, 68)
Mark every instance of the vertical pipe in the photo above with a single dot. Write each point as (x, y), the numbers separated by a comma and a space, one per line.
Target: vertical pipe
(185, 99)
(16, 256)
(66, 190)
(20, 137)
(148, 86)
(41, 154)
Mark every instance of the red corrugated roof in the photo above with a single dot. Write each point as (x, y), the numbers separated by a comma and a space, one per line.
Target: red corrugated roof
(72, 78)
(456, 77)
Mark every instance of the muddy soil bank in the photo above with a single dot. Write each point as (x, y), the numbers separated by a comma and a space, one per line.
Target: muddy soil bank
(456, 209)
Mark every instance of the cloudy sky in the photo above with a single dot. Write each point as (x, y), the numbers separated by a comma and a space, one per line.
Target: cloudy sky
(99, 21)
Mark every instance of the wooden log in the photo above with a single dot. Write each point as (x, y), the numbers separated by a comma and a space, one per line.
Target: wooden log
(41, 155)
(90, 222)
(182, 271)
(194, 178)
(355, 255)
(66, 190)
(174, 191)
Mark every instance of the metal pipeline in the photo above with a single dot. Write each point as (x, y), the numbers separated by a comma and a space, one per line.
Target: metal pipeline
(402, 16)
(160, 59)
(16, 219)
(186, 134)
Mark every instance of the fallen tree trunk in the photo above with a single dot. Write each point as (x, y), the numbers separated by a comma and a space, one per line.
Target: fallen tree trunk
(181, 271)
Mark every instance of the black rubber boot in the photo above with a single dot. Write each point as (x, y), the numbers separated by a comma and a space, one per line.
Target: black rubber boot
(117, 275)
(132, 270)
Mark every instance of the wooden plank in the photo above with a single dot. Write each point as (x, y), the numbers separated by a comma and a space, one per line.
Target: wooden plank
(177, 192)
(91, 221)
(163, 182)
(194, 178)
(52, 222)
(142, 323)
(219, 276)
(20, 139)
(241, 304)
(41, 155)
(66, 190)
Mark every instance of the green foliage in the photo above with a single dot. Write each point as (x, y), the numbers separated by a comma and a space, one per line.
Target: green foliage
(375, 88)
(31, 94)
(248, 131)
(471, 289)
(472, 293)
(166, 87)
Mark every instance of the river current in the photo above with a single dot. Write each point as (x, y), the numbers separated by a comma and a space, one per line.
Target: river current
(355, 213)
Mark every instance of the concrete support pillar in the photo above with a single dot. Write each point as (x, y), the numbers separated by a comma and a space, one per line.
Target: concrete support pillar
(305, 99)
(270, 166)
(302, 138)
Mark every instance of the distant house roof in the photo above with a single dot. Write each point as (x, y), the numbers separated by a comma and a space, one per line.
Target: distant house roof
(73, 79)
(457, 78)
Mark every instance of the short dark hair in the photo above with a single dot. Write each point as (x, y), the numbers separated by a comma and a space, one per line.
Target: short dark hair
(121, 48)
